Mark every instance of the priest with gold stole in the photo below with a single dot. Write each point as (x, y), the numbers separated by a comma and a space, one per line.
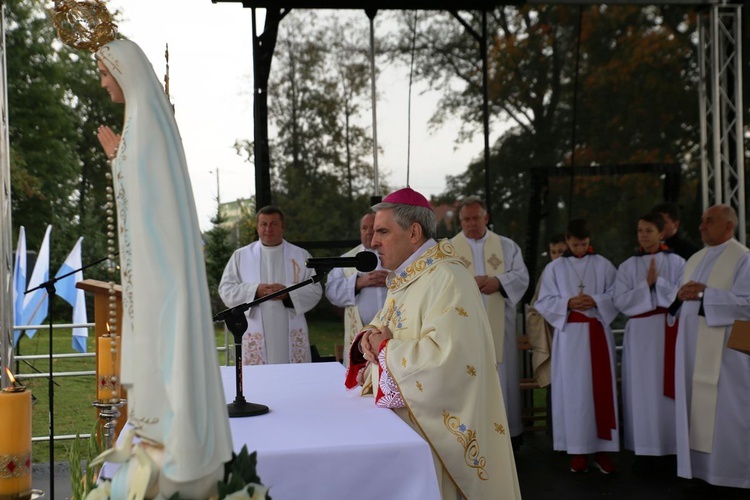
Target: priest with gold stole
(712, 382)
(502, 278)
(429, 354)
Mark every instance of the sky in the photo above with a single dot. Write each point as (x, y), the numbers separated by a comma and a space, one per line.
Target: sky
(210, 75)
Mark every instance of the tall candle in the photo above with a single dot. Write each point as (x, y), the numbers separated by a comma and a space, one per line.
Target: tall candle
(107, 368)
(15, 443)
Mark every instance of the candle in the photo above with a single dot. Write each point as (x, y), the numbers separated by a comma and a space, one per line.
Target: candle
(15, 441)
(108, 368)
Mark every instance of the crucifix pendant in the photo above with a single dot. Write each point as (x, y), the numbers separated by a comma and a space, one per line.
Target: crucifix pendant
(581, 286)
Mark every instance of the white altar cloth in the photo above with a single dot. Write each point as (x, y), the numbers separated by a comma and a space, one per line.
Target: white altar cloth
(320, 441)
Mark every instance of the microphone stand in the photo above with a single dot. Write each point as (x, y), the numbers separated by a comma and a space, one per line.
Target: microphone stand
(49, 285)
(236, 321)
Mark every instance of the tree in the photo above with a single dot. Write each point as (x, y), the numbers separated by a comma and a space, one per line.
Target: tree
(217, 251)
(42, 132)
(54, 106)
(625, 95)
(320, 157)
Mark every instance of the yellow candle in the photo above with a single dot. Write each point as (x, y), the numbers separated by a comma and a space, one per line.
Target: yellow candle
(107, 368)
(15, 443)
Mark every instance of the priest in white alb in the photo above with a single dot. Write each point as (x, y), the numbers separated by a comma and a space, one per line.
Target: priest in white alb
(277, 330)
(361, 294)
(502, 278)
(429, 355)
(712, 382)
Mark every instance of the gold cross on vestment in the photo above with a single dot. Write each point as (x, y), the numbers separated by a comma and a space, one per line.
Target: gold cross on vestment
(494, 261)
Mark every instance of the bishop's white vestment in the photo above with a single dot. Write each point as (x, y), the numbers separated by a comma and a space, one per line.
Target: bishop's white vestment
(359, 306)
(727, 463)
(276, 333)
(500, 257)
(578, 351)
(442, 360)
(648, 351)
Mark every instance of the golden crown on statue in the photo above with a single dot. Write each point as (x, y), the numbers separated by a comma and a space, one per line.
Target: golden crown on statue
(84, 25)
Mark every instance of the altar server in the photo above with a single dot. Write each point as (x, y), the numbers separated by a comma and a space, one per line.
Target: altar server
(646, 285)
(576, 299)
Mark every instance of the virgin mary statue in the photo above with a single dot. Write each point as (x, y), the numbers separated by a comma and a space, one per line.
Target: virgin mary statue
(169, 361)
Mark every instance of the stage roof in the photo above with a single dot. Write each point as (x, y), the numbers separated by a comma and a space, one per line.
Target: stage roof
(439, 4)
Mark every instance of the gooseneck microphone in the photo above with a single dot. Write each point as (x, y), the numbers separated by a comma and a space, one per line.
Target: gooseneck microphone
(363, 261)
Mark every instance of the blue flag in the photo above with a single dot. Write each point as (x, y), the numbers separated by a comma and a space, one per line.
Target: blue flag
(35, 304)
(19, 284)
(66, 290)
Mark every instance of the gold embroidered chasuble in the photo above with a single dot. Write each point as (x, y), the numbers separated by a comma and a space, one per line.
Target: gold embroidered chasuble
(540, 338)
(442, 360)
(494, 264)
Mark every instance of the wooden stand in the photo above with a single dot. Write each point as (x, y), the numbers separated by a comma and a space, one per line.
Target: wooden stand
(100, 289)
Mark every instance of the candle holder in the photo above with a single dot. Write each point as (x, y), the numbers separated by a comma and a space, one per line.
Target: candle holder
(109, 412)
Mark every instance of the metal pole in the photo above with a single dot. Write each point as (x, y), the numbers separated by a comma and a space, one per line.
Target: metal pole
(716, 110)
(739, 127)
(486, 117)
(376, 171)
(704, 104)
(6, 228)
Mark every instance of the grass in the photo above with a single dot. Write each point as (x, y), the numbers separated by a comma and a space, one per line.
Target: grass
(73, 395)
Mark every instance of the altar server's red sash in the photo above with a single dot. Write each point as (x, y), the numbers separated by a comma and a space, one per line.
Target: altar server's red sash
(670, 341)
(601, 375)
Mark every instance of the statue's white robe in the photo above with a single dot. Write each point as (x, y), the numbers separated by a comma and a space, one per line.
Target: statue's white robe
(169, 363)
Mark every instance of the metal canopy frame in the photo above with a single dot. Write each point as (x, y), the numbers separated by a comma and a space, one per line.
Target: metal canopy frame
(722, 153)
(263, 49)
(721, 110)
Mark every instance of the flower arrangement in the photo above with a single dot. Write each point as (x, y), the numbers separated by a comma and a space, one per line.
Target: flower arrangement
(241, 480)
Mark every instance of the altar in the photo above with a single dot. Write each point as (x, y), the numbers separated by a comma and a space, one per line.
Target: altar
(321, 441)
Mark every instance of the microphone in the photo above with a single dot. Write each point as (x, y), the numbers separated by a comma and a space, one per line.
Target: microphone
(363, 261)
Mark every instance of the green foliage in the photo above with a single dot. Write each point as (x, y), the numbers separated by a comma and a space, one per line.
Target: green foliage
(55, 105)
(217, 251)
(632, 99)
(321, 157)
(243, 475)
(81, 484)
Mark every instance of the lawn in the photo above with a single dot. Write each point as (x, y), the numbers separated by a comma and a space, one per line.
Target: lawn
(73, 395)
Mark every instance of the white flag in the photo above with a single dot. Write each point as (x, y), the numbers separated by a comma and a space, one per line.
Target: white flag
(66, 290)
(35, 304)
(19, 283)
